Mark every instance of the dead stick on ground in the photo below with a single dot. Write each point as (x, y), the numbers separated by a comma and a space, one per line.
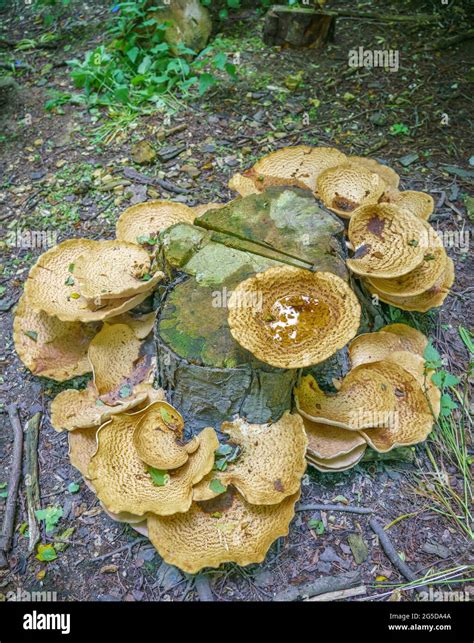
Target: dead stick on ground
(322, 585)
(203, 588)
(336, 596)
(13, 484)
(33, 500)
(348, 508)
(392, 553)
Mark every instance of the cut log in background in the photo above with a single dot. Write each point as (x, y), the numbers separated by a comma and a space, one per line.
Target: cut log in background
(298, 27)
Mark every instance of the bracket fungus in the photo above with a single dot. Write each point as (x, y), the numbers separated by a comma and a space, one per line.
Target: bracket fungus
(270, 462)
(373, 347)
(326, 442)
(243, 185)
(387, 242)
(365, 399)
(123, 481)
(386, 173)
(420, 204)
(50, 347)
(299, 166)
(82, 446)
(208, 535)
(158, 438)
(114, 270)
(291, 318)
(339, 463)
(346, 187)
(144, 221)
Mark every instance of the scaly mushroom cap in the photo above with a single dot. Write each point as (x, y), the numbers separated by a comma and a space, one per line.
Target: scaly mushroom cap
(142, 325)
(340, 462)
(365, 399)
(412, 418)
(416, 365)
(146, 220)
(114, 270)
(387, 242)
(50, 347)
(418, 203)
(227, 529)
(243, 185)
(73, 409)
(326, 442)
(386, 173)
(291, 318)
(82, 446)
(270, 464)
(123, 481)
(422, 277)
(51, 287)
(114, 354)
(346, 187)
(158, 437)
(299, 166)
(374, 347)
(432, 298)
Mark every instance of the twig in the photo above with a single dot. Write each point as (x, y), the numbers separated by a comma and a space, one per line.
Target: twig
(33, 500)
(391, 552)
(128, 547)
(203, 588)
(348, 508)
(322, 585)
(342, 593)
(13, 484)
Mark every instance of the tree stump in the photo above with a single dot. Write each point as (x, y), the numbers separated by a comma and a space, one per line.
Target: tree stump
(298, 27)
(206, 373)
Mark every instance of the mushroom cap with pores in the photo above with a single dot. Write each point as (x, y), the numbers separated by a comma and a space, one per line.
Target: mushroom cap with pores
(346, 187)
(146, 220)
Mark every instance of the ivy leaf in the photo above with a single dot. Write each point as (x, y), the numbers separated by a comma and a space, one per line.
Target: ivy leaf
(158, 477)
(317, 525)
(216, 486)
(46, 553)
(51, 516)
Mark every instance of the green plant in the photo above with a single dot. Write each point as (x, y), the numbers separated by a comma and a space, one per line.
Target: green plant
(399, 129)
(138, 67)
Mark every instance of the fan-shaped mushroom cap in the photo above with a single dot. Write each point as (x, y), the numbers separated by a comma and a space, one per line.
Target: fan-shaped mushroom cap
(243, 185)
(142, 325)
(373, 347)
(415, 364)
(418, 203)
(432, 298)
(123, 482)
(365, 399)
(114, 270)
(422, 277)
(387, 242)
(227, 529)
(327, 442)
(82, 446)
(73, 409)
(114, 354)
(346, 187)
(290, 318)
(299, 165)
(271, 461)
(205, 207)
(388, 175)
(146, 220)
(126, 516)
(412, 418)
(50, 286)
(158, 437)
(340, 462)
(50, 347)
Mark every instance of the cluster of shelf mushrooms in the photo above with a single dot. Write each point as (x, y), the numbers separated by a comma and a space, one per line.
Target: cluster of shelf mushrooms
(206, 500)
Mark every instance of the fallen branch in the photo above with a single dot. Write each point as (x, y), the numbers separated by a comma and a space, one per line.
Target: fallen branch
(348, 508)
(391, 552)
(320, 586)
(138, 177)
(13, 484)
(128, 546)
(203, 588)
(30, 473)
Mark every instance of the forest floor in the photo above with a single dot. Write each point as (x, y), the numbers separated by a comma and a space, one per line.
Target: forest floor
(55, 174)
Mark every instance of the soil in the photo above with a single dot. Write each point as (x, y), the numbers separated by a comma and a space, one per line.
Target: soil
(52, 167)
